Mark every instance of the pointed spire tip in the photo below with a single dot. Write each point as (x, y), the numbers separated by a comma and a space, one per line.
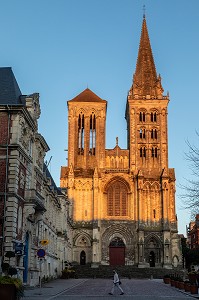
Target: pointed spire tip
(144, 10)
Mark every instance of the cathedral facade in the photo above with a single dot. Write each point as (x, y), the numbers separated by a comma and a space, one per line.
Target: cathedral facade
(123, 200)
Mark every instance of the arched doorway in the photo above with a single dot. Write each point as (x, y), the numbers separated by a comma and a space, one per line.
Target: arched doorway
(152, 259)
(82, 258)
(153, 248)
(117, 252)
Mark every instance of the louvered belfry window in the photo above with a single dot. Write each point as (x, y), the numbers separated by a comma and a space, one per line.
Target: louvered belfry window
(117, 199)
(81, 134)
(92, 141)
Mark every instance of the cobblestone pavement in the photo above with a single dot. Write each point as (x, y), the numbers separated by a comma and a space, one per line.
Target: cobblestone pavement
(93, 289)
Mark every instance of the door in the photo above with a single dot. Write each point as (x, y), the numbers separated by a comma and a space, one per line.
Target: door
(117, 252)
(152, 259)
(82, 258)
(117, 256)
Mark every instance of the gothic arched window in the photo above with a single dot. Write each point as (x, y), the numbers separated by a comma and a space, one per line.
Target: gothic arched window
(92, 135)
(154, 152)
(142, 152)
(142, 133)
(154, 134)
(81, 134)
(153, 117)
(117, 199)
(142, 116)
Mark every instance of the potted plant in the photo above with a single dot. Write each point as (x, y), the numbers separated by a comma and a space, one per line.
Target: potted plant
(10, 287)
(181, 284)
(192, 277)
(172, 280)
(68, 272)
(187, 286)
(166, 279)
(194, 288)
(176, 280)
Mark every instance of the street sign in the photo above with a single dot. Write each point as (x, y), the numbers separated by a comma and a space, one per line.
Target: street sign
(19, 248)
(44, 242)
(41, 253)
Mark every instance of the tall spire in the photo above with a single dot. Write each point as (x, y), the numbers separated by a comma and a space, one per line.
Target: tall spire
(145, 80)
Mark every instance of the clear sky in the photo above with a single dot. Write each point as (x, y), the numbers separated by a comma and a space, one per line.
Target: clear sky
(60, 47)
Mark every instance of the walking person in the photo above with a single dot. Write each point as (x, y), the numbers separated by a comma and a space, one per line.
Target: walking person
(116, 283)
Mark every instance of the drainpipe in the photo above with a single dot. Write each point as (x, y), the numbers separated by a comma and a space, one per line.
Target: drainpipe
(6, 181)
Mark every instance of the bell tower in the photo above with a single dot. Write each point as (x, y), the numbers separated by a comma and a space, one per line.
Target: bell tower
(86, 125)
(146, 113)
(147, 142)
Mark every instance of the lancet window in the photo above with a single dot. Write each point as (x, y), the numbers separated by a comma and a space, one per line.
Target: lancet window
(117, 199)
(153, 117)
(142, 133)
(81, 134)
(154, 152)
(142, 116)
(92, 141)
(142, 152)
(154, 134)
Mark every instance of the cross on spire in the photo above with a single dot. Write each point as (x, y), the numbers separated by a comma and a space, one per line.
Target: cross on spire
(144, 10)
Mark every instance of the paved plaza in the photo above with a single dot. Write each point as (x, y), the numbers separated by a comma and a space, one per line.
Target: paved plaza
(135, 289)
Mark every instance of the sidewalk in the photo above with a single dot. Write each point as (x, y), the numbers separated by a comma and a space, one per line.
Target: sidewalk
(51, 289)
(99, 288)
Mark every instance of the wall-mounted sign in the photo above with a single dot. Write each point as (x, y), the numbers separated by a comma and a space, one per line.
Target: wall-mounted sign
(41, 253)
(44, 242)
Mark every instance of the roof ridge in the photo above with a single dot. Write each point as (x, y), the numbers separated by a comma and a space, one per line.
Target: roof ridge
(87, 96)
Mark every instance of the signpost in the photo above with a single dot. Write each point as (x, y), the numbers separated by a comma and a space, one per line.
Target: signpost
(41, 254)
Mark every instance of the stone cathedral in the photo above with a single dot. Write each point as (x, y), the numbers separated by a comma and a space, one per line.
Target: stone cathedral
(123, 200)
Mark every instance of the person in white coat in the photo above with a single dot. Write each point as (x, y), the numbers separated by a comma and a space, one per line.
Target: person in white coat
(116, 282)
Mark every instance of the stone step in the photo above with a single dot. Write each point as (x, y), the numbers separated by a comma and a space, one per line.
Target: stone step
(86, 271)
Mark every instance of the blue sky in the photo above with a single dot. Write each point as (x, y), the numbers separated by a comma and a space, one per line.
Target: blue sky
(60, 47)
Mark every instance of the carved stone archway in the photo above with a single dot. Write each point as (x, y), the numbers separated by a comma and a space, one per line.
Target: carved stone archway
(153, 250)
(122, 233)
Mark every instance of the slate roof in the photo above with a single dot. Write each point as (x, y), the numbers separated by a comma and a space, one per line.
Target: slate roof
(10, 93)
(53, 184)
(87, 96)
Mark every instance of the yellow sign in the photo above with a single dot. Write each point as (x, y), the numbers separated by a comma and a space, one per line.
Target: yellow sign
(44, 242)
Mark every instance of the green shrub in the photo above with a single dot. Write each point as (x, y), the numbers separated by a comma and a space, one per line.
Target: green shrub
(68, 273)
(16, 281)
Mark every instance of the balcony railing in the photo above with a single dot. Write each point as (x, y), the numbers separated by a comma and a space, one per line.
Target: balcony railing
(33, 196)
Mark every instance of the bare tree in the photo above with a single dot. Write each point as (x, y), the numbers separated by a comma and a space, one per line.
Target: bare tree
(191, 188)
